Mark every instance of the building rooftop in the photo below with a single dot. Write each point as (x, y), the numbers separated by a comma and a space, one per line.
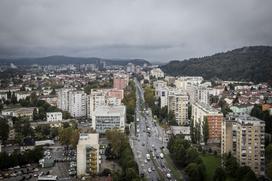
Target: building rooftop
(244, 118)
(207, 108)
(88, 138)
(104, 110)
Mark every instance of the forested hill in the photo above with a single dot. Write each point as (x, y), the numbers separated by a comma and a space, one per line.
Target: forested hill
(57, 60)
(248, 64)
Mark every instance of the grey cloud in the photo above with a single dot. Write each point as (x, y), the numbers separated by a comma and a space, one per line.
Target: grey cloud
(153, 29)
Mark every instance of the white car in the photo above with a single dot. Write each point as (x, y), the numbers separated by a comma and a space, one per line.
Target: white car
(168, 175)
(161, 155)
(149, 170)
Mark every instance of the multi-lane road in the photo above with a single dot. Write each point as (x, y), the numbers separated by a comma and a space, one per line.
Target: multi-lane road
(147, 137)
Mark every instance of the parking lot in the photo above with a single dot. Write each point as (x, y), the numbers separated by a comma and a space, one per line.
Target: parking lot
(61, 167)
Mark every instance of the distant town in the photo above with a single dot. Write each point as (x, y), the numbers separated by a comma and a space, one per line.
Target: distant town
(127, 122)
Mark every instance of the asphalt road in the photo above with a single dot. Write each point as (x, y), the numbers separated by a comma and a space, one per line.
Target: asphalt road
(143, 143)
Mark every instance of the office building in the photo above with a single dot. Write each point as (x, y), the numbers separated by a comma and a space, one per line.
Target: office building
(109, 117)
(102, 97)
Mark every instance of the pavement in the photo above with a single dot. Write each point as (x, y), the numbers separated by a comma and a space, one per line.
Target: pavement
(142, 143)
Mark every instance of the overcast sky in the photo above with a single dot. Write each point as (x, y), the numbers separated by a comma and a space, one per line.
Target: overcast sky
(157, 30)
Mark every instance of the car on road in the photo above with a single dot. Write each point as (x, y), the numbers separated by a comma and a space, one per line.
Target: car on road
(149, 170)
(161, 155)
(142, 165)
(168, 175)
(143, 144)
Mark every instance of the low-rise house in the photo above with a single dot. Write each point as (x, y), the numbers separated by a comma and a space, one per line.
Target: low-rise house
(54, 124)
(182, 130)
(243, 108)
(19, 112)
(53, 116)
(22, 95)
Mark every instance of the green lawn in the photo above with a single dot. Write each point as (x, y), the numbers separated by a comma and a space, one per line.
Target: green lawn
(211, 162)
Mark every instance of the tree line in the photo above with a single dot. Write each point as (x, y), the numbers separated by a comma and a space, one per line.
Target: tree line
(17, 158)
(119, 150)
(162, 114)
(248, 63)
(129, 101)
(187, 157)
(263, 115)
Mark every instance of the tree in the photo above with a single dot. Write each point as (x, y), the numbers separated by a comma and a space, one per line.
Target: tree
(245, 174)
(268, 153)
(189, 111)
(219, 174)
(205, 130)
(66, 115)
(35, 114)
(257, 111)
(230, 164)
(117, 140)
(4, 130)
(13, 98)
(172, 119)
(9, 95)
(192, 156)
(53, 92)
(196, 172)
(231, 86)
(269, 169)
(69, 136)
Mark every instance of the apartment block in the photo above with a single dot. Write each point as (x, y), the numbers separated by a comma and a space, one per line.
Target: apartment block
(120, 81)
(244, 137)
(63, 99)
(159, 84)
(157, 73)
(178, 103)
(200, 112)
(77, 103)
(198, 93)
(182, 82)
(97, 98)
(88, 154)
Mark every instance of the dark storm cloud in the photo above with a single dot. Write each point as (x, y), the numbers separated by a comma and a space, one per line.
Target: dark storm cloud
(152, 29)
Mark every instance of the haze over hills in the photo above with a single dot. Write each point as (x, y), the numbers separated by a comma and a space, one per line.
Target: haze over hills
(247, 63)
(57, 60)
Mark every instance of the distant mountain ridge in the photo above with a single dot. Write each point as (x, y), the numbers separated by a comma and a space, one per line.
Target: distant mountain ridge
(244, 64)
(58, 60)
